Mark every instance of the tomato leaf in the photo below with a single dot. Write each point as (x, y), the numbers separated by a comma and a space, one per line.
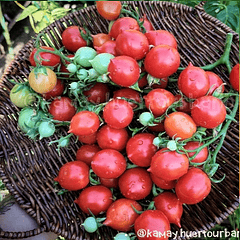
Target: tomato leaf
(27, 12)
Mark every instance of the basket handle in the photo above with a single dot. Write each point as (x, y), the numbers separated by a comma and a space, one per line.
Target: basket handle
(200, 6)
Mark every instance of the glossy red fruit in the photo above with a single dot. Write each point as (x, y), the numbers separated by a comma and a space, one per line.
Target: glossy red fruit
(88, 139)
(168, 203)
(147, 24)
(86, 153)
(99, 39)
(163, 82)
(193, 187)
(159, 127)
(109, 10)
(109, 182)
(169, 165)
(94, 199)
(121, 215)
(214, 81)
(56, 91)
(186, 106)
(161, 183)
(73, 176)
(142, 82)
(140, 149)
(234, 77)
(107, 47)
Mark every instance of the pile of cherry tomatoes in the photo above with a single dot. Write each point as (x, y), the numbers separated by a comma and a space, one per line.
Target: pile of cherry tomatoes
(141, 142)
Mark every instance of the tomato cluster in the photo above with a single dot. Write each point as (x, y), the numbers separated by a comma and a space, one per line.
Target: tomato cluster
(138, 138)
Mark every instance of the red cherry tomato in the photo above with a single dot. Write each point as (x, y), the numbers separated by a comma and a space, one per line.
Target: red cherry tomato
(163, 184)
(108, 163)
(143, 81)
(169, 165)
(161, 37)
(132, 43)
(107, 47)
(186, 106)
(86, 153)
(162, 61)
(179, 125)
(193, 82)
(214, 81)
(234, 77)
(57, 91)
(97, 199)
(158, 100)
(112, 138)
(162, 83)
(62, 109)
(140, 149)
(72, 39)
(168, 203)
(49, 59)
(88, 139)
(159, 127)
(124, 71)
(135, 183)
(73, 176)
(84, 123)
(208, 112)
(109, 182)
(99, 39)
(118, 113)
(193, 187)
(109, 10)
(121, 215)
(147, 24)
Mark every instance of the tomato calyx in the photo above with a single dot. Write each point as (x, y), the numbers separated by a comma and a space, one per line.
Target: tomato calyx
(153, 80)
(86, 35)
(93, 178)
(156, 191)
(62, 142)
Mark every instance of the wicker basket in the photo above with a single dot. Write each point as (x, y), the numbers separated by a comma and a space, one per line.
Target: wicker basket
(28, 167)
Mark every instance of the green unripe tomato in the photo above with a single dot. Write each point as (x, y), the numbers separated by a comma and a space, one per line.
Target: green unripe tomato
(72, 68)
(73, 85)
(83, 55)
(26, 119)
(82, 74)
(46, 129)
(64, 142)
(122, 236)
(92, 73)
(145, 118)
(90, 224)
(101, 61)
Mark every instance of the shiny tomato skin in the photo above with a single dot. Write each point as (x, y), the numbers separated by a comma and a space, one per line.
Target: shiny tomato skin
(169, 165)
(201, 156)
(193, 187)
(118, 113)
(159, 127)
(88, 139)
(112, 138)
(140, 149)
(214, 81)
(161, 37)
(107, 47)
(122, 24)
(163, 184)
(186, 106)
(152, 221)
(84, 123)
(143, 81)
(51, 59)
(73, 176)
(86, 153)
(147, 24)
(234, 77)
(132, 43)
(109, 182)
(193, 82)
(135, 183)
(97, 199)
(108, 163)
(162, 61)
(121, 216)
(158, 100)
(72, 39)
(99, 39)
(56, 91)
(109, 10)
(168, 203)
(124, 71)
(180, 125)
(208, 112)
(62, 109)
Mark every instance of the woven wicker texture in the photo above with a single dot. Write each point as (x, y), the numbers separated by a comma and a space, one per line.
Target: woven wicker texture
(28, 167)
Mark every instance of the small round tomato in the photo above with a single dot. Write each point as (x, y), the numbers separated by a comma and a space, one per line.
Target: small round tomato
(64, 68)
(122, 24)
(42, 80)
(108, 163)
(97, 93)
(169, 165)
(94, 199)
(88, 139)
(234, 77)
(186, 106)
(201, 156)
(132, 43)
(109, 182)
(72, 39)
(46, 129)
(140, 149)
(214, 81)
(100, 62)
(179, 125)
(152, 221)
(62, 109)
(99, 39)
(56, 91)
(73, 176)
(121, 215)
(142, 82)
(193, 187)
(208, 112)
(163, 184)
(107, 47)
(124, 71)
(158, 100)
(163, 82)
(109, 10)
(135, 183)
(193, 82)
(161, 37)
(168, 203)
(129, 94)
(159, 127)
(162, 61)
(86, 153)
(112, 138)
(84, 123)
(146, 23)
(118, 113)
